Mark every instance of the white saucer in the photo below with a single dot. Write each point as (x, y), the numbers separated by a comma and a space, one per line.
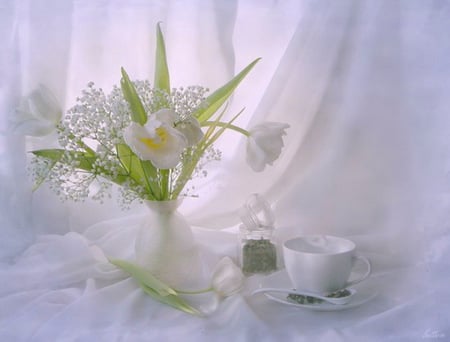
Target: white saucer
(280, 280)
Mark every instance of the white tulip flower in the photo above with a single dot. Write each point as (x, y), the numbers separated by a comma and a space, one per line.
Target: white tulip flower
(38, 113)
(191, 130)
(157, 140)
(227, 278)
(264, 144)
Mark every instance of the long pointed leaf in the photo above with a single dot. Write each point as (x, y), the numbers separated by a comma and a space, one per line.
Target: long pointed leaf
(151, 175)
(52, 154)
(213, 102)
(162, 79)
(42, 179)
(197, 152)
(85, 161)
(144, 277)
(211, 128)
(143, 172)
(138, 113)
(172, 300)
(222, 129)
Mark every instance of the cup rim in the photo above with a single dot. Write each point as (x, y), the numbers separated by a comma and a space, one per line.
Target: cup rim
(288, 242)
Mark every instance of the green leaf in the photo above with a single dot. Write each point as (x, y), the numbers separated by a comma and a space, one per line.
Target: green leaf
(131, 163)
(138, 113)
(227, 125)
(222, 129)
(165, 187)
(142, 171)
(55, 158)
(172, 300)
(196, 153)
(143, 276)
(52, 154)
(162, 79)
(213, 102)
(85, 161)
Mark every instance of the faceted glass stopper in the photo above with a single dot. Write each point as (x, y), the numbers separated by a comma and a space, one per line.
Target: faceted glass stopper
(257, 214)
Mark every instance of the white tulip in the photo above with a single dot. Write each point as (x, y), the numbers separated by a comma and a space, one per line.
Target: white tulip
(227, 278)
(191, 130)
(38, 113)
(264, 144)
(158, 140)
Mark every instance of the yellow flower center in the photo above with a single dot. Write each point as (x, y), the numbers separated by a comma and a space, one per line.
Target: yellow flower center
(157, 142)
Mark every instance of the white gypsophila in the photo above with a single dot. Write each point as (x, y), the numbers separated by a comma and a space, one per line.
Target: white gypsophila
(264, 144)
(97, 122)
(68, 184)
(210, 155)
(184, 100)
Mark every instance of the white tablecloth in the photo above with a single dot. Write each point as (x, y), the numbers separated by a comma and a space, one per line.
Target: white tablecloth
(363, 84)
(59, 289)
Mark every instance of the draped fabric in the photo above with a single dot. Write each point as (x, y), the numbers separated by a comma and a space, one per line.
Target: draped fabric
(363, 86)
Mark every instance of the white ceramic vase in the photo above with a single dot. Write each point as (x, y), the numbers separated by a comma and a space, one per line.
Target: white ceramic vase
(166, 247)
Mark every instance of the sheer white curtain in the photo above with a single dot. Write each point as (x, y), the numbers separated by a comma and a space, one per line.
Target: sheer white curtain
(363, 85)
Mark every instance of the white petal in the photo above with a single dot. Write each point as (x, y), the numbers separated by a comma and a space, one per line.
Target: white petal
(37, 114)
(256, 157)
(166, 116)
(45, 105)
(169, 157)
(265, 144)
(165, 156)
(191, 130)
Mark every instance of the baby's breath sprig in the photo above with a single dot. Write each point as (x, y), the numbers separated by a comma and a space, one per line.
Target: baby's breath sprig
(149, 139)
(94, 127)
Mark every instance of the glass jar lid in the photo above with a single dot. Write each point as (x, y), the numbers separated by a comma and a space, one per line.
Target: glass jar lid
(257, 214)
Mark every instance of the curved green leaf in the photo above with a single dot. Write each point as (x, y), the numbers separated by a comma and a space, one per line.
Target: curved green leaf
(143, 276)
(54, 156)
(142, 171)
(130, 94)
(85, 161)
(213, 102)
(172, 300)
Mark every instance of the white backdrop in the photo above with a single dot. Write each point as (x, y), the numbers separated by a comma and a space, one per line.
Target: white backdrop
(363, 85)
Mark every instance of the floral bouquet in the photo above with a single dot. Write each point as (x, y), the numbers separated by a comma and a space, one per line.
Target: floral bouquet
(150, 140)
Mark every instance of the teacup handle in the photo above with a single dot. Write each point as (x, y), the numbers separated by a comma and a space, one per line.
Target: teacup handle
(365, 275)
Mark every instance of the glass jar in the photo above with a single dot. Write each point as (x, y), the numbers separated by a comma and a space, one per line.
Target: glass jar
(257, 244)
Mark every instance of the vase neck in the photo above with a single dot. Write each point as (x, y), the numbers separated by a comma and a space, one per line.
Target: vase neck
(164, 206)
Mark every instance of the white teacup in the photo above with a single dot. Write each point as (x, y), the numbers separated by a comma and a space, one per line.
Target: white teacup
(321, 263)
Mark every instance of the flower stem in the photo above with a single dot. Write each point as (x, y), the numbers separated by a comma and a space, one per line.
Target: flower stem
(224, 124)
(187, 170)
(195, 292)
(165, 191)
